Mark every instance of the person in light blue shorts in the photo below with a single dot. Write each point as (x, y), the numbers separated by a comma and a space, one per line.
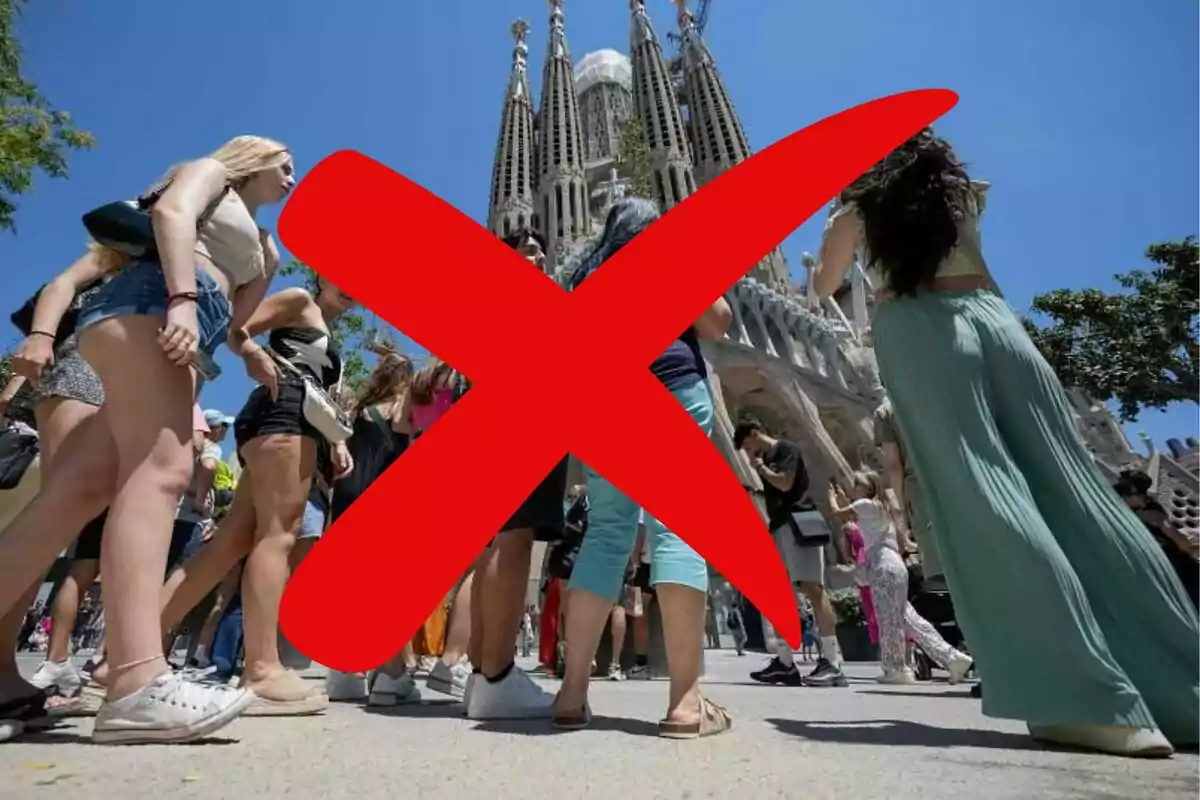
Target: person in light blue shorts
(678, 573)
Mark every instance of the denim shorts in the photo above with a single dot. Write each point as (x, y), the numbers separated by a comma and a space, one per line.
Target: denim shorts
(140, 290)
(312, 525)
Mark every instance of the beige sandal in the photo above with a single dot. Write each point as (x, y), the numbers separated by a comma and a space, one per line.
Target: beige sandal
(285, 695)
(714, 720)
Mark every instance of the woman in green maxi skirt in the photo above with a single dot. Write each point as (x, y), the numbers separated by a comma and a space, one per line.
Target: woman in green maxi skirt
(1077, 622)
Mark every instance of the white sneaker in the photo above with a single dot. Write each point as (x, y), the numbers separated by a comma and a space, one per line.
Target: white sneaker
(450, 680)
(168, 709)
(904, 677)
(61, 676)
(343, 687)
(515, 697)
(960, 665)
(615, 673)
(1115, 739)
(389, 691)
(466, 698)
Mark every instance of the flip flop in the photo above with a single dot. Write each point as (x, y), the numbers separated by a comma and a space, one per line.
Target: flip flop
(714, 720)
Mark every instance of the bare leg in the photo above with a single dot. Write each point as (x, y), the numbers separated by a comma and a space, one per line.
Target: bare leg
(618, 626)
(683, 634)
(148, 409)
(65, 610)
(507, 575)
(283, 466)
(458, 633)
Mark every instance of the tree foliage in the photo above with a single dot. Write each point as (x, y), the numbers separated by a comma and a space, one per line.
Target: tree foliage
(351, 331)
(1138, 346)
(34, 137)
(633, 154)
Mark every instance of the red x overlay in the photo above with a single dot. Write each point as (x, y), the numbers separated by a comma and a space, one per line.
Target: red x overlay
(551, 373)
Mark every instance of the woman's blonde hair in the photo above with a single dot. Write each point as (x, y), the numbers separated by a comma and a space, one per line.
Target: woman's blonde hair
(242, 156)
(870, 480)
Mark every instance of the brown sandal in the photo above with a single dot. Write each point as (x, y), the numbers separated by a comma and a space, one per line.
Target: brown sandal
(572, 720)
(714, 720)
(285, 695)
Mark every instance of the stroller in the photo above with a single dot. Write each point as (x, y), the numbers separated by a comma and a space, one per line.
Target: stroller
(934, 605)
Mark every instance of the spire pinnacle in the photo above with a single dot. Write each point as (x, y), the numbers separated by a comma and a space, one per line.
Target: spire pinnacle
(686, 20)
(519, 30)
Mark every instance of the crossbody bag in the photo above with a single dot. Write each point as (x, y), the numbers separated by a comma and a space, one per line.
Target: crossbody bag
(319, 408)
(807, 525)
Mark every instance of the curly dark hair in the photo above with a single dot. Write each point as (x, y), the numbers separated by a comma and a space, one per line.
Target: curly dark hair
(911, 204)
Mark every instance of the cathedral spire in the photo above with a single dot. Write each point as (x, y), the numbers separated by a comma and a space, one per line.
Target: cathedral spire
(717, 136)
(511, 207)
(562, 188)
(658, 110)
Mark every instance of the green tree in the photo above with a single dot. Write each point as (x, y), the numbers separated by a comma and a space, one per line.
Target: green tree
(633, 154)
(33, 135)
(5, 369)
(352, 332)
(1138, 346)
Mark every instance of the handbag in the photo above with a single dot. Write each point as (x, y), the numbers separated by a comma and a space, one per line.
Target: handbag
(806, 523)
(125, 225)
(18, 449)
(319, 408)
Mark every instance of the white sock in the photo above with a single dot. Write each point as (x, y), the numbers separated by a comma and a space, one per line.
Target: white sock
(831, 651)
(785, 654)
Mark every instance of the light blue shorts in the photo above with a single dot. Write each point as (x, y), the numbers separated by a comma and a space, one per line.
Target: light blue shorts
(313, 523)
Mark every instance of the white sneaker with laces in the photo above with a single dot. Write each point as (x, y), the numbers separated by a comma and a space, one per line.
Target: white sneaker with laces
(61, 676)
(515, 697)
(450, 680)
(389, 691)
(168, 709)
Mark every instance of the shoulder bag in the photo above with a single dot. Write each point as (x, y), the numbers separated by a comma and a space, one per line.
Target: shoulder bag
(319, 408)
(125, 225)
(18, 449)
(806, 523)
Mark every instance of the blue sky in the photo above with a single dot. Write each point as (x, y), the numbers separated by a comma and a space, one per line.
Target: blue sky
(1082, 113)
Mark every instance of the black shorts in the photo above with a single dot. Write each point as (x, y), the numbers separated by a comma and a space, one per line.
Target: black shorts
(641, 579)
(87, 547)
(262, 416)
(543, 509)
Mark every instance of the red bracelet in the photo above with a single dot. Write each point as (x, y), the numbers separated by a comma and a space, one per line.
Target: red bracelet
(181, 297)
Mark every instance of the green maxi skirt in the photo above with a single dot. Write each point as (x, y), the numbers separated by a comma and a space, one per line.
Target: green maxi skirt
(1071, 609)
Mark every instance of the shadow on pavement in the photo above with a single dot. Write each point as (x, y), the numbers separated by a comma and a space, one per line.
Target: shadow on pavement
(953, 695)
(888, 732)
(429, 709)
(633, 727)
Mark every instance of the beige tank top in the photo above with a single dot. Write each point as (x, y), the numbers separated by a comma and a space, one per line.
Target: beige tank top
(965, 259)
(230, 239)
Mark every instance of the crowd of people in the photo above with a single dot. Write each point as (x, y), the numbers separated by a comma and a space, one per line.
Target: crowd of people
(1077, 617)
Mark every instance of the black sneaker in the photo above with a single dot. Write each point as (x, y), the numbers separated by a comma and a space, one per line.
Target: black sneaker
(825, 674)
(777, 672)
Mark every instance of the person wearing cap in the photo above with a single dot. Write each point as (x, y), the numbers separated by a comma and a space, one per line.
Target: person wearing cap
(196, 506)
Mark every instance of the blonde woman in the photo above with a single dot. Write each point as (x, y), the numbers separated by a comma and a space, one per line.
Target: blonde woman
(144, 332)
(888, 578)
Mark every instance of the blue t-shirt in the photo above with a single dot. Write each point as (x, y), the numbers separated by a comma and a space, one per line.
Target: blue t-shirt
(682, 365)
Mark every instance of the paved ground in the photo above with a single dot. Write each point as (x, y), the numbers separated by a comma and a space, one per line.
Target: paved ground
(868, 741)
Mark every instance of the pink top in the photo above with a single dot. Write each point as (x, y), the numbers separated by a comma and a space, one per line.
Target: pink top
(425, 415)
(198, 423)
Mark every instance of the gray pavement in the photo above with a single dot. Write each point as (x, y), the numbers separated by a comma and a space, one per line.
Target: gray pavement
(868, 741)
